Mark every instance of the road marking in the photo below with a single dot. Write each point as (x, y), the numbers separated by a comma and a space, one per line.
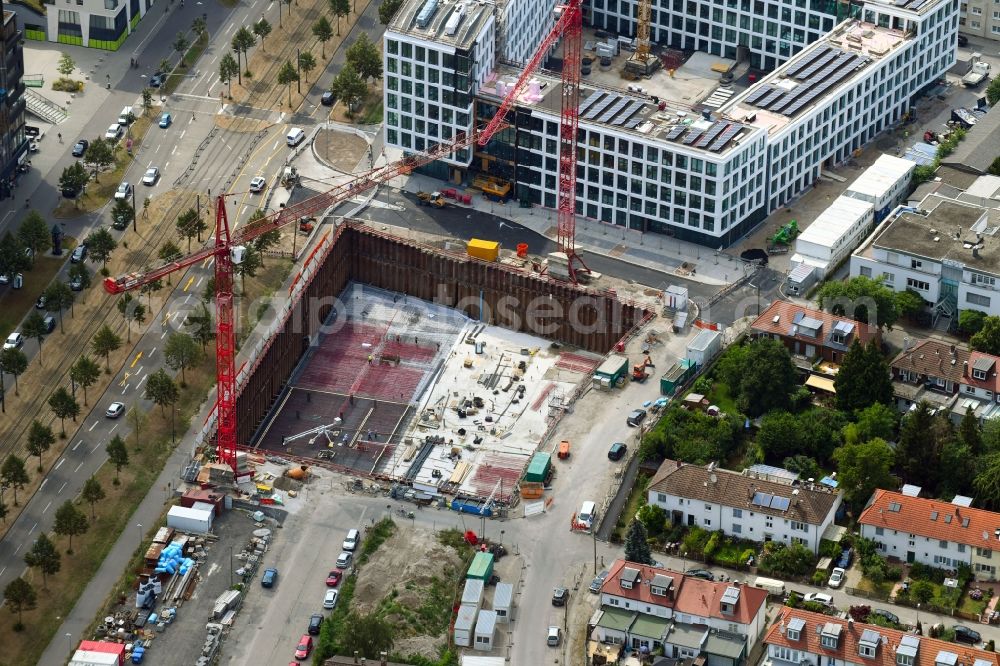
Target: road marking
(204, 264)
(141, 381)
(150, 164)
(139, 371)
(91, 428)
(230, 28)
(189, 282)
(77, 445)
(174, 150)
(59, 464)
(113, 428)
(125, 389)
(42, 484)
(81, 464)
(137, 357)
(188, 297)
(212, 87)
(183, 132)
(198, 283)
(166, 165)
(46, 506)
(19, 546)
(124, 380)
(152, 350)
(32, 528)
(275, 147)
(164, 335)
(2, 570)
(157, 149)
(62, 487)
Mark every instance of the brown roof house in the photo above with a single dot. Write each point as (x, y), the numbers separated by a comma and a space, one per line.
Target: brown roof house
(930, 371)
(811, 333)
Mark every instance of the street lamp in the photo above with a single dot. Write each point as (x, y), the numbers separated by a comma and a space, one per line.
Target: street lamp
(139, 526)
(134, 229)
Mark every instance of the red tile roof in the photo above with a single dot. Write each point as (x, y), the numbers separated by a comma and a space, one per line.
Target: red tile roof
(932, 518)
(850, 635)
(933, 358)
(690, 595)
(787, 312)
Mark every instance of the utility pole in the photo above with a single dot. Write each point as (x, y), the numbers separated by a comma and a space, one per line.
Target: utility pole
(133, 212)
(298, 68)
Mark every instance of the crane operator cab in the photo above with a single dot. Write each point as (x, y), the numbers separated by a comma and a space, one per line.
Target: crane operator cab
(236, 253)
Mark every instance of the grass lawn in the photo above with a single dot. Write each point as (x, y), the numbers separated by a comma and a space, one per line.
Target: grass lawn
(635, 500)
(373, 114)
(969, 605)
(720, 396)
(880, 590)
(16, 303)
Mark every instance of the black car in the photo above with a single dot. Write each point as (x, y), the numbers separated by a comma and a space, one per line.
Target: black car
(71, 192)
(80, 148)
(156, 80)
(636, 417)
(963, 40)
(315, 621)
(700, 573)
(966, 635)
(328, 99)
(617, 451)
(559, 596)
(269, 578)
(886, 615)
(845, 559)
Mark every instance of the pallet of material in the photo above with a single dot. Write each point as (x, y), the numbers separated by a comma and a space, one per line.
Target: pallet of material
(460, 471)
(409, 452)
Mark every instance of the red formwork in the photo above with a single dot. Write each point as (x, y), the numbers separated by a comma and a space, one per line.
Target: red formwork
(339, 358)
(493, 467)
(577, 362)
(391, 382)
(409, 351)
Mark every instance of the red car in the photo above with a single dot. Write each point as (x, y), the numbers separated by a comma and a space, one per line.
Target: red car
(333, 580)
(304, 648)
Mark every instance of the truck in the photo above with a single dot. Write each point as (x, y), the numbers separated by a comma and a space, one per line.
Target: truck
(979, 72)
(431, 199)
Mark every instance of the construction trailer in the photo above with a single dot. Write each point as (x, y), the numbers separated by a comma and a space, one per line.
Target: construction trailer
(503, 602)
(472, 595)
(465, 623)
(486, 629)
(705, 346)
(481, 567)
(190, 520)
(677, 376)
(612, 372)
(539, 468)
(885, 184)
(98, 653)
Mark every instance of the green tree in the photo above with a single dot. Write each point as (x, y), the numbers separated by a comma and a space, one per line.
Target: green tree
(201, 326)
(987, 481)
(104, 343)
(169, 252)
(13, 474)
(40, 440)
(863, 379)
(85, 373)
(44, 557)
(182, 352)
(971, 322)
(969, 434)
(3, 510)
(70, 522)
(993, 91)
(878, 420)
(864, 467)
(13, 361)
(348, 86)
(100, 155)
(63, 405)
(118, 455)
(73, 178)
(92, 493)
(228, 68)
(243, 40)
(637, 544)
(262, 29)
(149, 289)
(66, 64)
(994, 169)
(12, 257)
(957, 458)
(34, 327)
(147, 100)
(100, 245)
(162, 390)
(266, 241)
(918, 452)
(692, 437)
(287, 75)
(131, 310)
(860, 298)
(190, 225)
(251, 263)
(198, 26)
(763, 362)
(367, 635)
(34, 234)
(909, 303)
(340, 9)
(20, 596)
(365, 57)
(653, 517)
(180, 43)
(307, 63)
(922, 591)
(387, 10)
(58, 297)
(987, 340)
(322, 31)
(122, 213)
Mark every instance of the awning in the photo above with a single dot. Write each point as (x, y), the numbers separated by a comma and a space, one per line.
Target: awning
(820, 383)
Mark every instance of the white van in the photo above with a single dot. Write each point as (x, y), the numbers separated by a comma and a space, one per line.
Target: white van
(774, 587)
(126, 116)
(351, 542)
(588, 514)
(295, 137)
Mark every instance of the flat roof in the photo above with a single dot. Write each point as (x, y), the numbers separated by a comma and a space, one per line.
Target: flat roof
(949, 230)
(835, 221)
(881, 176)
(469, 19)
(813, 74)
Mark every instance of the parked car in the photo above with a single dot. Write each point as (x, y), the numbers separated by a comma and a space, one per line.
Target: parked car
(351, 541)
(80, 148)
(819, 598)
(40, 303)
(554, 637)
(344, 560)
(328, 99)
(836, 577)
(330, 599)
(14, 341)
(315, 622)
(886, 615)
(115, 410)
(114, 132)
(49, 322)
(76, 283)
(165, 120)
(333, 578)
(636, 417)
(617, 451)
(304, 647)
(124, 190)
(151, 176)
(559, 596)
(845, 559)
(257, 184)
(595, 585)
(700, 573)
(965, 635)
(963, 40)
(79, 254)
(269, 578)
(157, 79)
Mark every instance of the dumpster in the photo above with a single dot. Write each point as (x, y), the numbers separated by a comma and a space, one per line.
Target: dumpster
(539, 468)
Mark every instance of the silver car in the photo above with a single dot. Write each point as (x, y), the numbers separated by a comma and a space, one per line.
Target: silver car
(151, 176)
(123, 191)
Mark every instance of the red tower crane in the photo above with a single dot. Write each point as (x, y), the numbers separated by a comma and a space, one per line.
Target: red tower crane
(230, 245)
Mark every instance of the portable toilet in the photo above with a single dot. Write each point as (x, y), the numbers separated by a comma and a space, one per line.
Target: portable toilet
(486, 627)
(465, 623)
(503, 602)
(481, 567)
(473, 593)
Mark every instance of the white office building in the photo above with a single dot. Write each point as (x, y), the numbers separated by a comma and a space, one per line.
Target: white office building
(98, 24)
(523, 25)
(704, 163)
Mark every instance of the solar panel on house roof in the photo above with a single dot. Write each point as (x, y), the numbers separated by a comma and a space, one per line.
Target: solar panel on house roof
(629, 111)
(613, 111)
(780, 503)
(590, 100)
(675, 132)
(762, 499)
(726, 136)
(757, 94)
(712, 132)
(600, 106)
(731, 595)
(843, 326)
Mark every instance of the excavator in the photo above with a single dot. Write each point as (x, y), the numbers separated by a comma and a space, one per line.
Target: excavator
(639, 373)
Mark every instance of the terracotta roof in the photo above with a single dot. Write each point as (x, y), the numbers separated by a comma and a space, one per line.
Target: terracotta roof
(735, 490)
(986, 363)
(933, 358)
(688, 594)
(810, 640)
(932, 518)
(789, 325)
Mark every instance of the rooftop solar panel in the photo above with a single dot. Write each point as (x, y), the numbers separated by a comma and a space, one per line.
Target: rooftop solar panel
(613, 111)
(726, 136)
(819, 64)
(587, 103)
(761, 499)
(757, 94)
(675, 132)
(805, 61)
(772, 98)
(712, 132)
(634, 122)
(629, 111)
(600, 106)
(691, 137)
(780, 503)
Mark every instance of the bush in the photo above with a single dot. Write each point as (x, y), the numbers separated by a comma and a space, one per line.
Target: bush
(694, 541)
(64, 84)
(922, 591)
(703, 385)
(816, 607)
(860, 613)
(819, 577)
(711, 546)
(829, 548)
(793, 560)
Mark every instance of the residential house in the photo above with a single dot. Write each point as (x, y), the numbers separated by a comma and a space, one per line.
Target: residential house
(929, 371)
(744, 505)
(811, 333)
(934, 532)
(646, 606)
(801, 638)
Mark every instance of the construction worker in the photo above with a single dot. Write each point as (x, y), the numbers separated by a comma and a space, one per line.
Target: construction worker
(370, 358)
